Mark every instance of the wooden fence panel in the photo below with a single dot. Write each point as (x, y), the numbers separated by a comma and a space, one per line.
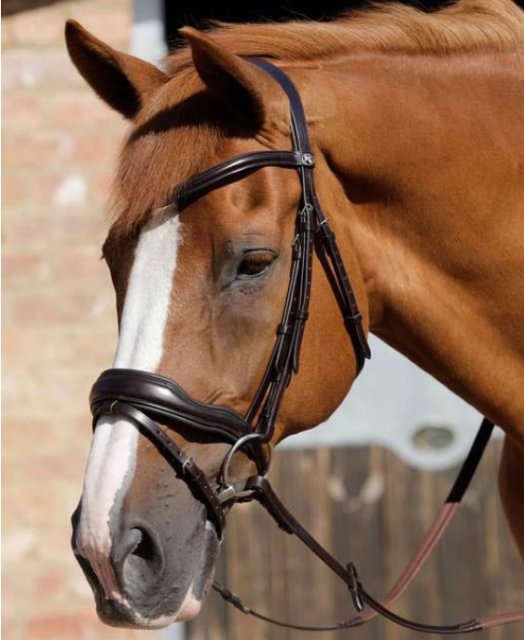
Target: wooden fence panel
(366, 506)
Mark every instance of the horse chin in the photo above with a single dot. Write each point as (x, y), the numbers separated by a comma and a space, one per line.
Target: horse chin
(118, 613)
(189, 610)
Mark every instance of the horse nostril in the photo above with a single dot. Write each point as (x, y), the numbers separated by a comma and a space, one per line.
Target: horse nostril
(137, 546)
(143, 559)
(145, 547)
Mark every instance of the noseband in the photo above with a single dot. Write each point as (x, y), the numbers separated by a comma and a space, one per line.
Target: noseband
(148, 399)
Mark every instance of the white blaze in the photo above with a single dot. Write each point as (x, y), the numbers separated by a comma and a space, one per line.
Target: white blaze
(112, 459)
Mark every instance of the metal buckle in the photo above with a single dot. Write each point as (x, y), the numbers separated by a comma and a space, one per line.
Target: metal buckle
(308, 159)
(354, 587)
(226, 494)
(186, 462)
(227, 490)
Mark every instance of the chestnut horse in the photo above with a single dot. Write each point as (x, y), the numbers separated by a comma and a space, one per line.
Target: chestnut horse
(416, 124)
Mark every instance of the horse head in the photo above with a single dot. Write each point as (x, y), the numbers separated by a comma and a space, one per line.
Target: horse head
(200, 292)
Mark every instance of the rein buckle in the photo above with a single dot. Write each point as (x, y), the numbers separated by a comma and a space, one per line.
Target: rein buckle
(227, 493)
(354, 587)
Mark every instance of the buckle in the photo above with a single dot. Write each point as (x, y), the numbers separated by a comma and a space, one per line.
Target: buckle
(308, 159)
(354, 587)
(226, 489)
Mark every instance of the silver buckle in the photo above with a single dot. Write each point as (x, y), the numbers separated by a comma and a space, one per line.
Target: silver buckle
(227, 490)
(308, 159)
(226, 494)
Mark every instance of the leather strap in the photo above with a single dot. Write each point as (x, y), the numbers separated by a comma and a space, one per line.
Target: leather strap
(299, 130)
(183, 465)
(162, 399)
(264, 494)
(235, 169)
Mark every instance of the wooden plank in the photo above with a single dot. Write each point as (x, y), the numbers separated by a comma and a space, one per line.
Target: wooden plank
(365, 505)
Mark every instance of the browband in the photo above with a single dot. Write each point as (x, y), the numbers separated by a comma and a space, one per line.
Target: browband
(237, 168)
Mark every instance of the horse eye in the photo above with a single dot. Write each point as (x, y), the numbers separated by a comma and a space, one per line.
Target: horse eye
(254, 264)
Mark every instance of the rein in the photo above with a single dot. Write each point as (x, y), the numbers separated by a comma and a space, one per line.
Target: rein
(147, 399)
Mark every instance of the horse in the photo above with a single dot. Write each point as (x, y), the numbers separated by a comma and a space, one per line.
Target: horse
(416, 127)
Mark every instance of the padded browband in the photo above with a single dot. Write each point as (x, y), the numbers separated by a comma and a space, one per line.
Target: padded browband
(162, 399)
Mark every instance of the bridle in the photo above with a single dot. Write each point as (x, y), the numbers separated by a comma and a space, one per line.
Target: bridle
(148, 399)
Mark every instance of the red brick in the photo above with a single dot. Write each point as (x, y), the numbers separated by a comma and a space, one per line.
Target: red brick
(96, 349)
(23, 111)
(83, 110)
(41, 309)
(7, 36)
(46, 436)
(85, 147)
(40, 149)
(79, 224)
(28, 472)
(14, 188)
(22, 230)
(48, 584)
(55, 627)
(12, 627)
(56, 226)
(98, 185)
(21, 434)
(49, 182)
(37, 27)
(59, 332)
(81, 263)
(101, 186)
(110, 22)
(24, 266)
(30, 70)
(98, 148)
(78, 625)
(78, 347)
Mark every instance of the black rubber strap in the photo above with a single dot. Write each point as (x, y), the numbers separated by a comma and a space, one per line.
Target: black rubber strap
(471, 462)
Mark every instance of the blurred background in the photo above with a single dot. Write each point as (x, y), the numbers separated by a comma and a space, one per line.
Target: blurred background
(368, 483)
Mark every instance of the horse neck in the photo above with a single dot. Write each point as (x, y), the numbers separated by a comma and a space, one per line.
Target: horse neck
(431, 158)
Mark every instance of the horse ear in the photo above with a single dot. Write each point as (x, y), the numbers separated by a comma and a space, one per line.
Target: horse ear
(121, 80)
(236, 83)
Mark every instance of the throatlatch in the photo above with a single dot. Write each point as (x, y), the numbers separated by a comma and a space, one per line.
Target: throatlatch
(148, 399)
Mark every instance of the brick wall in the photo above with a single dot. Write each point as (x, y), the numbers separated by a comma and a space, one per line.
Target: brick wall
(59, 147)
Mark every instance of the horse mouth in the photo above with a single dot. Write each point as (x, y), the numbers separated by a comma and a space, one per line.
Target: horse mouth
(118, 611)
(156, 609)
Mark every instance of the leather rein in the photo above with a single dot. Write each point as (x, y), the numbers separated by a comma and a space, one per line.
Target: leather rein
(148, 399)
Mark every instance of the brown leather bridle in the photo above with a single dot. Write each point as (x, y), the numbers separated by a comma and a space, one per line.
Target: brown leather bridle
(148, 399)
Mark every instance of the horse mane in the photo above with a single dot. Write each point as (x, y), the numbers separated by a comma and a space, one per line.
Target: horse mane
(141, 187)
(465, 26)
